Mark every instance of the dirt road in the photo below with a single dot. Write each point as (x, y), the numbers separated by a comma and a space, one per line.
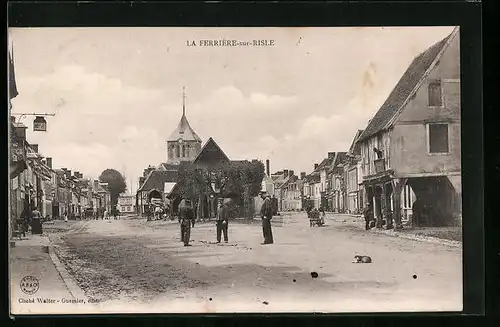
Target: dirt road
(131, 265)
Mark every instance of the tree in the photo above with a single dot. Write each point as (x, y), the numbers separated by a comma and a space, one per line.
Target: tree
(116, 183)
(243, 178)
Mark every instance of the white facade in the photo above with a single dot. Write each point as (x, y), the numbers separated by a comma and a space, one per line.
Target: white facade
(126, 204)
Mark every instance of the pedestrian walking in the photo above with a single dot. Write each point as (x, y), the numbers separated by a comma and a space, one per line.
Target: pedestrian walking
(222, 221)
(266, 213)
(36, 222)
(186, 219)
(368, 215)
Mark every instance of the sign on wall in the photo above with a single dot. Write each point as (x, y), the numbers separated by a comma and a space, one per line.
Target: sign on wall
(40, 124)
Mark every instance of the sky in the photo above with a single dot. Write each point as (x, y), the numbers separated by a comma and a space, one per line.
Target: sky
(117, 92)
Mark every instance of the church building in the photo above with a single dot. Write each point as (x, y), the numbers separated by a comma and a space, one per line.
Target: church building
(156, 183)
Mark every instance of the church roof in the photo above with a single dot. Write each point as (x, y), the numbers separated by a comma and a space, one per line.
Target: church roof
(184, 131)
(168, 167)
(211, 153)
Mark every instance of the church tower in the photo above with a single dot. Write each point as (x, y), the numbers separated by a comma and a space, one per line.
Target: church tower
(183, 144)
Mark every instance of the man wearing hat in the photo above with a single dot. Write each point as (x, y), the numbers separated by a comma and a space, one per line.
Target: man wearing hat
(266, 212)
(186, 219)
(368, 215)
(222, 221)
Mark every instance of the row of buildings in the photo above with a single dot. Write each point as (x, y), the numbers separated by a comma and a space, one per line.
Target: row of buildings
(34, 183)
(406, 162)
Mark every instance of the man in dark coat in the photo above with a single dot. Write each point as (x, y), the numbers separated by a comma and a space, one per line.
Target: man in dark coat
(266, 212)
(368, 215)
(222, 221)
(186, 219)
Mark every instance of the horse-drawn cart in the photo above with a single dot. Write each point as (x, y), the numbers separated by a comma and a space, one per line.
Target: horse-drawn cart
(315, 219)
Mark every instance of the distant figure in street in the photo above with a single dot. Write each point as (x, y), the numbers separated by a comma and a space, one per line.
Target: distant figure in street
(222, 221)
(25, 221)
(36, 222)
(322, 210)
(65, 217)
(368, 215)
(266, 213)
(186, 219)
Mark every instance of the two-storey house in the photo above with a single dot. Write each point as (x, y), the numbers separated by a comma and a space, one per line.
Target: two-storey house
(414, 139)
(126, 203)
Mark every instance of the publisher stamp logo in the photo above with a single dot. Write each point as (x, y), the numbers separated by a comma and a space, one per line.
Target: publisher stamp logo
(29, 285)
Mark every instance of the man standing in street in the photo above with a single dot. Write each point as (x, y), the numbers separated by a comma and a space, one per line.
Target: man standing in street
(266, 213)
(368, 214)
(186, 218)
(222, 221)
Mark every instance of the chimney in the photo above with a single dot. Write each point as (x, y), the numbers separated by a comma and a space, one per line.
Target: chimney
(290, 173)
(285, 172)
(20, 131)
(302, 175)
(96, 184)
(267, 167)
(34, 147)
(315, 166)
(331, 155)
(49, 162)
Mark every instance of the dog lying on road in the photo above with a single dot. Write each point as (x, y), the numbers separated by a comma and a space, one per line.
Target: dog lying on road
(362, 259)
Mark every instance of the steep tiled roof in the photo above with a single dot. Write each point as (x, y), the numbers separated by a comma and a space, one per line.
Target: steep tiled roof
(403, 89)
(167, 166)
(157, 179)
(210, 152)
(355, 148)
(184, 131)
(340, 158)
(324, 164)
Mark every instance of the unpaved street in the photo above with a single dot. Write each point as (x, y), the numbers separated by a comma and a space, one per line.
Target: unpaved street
(134, 265)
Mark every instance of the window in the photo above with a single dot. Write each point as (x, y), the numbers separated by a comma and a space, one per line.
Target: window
(183, 151)
(177, 151)
(438, 138)
(435, 99)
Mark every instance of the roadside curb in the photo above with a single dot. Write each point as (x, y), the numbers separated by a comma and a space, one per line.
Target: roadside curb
(72, 287)
(413, 237)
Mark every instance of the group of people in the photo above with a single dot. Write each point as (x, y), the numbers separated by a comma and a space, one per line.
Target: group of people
(30, 218)
(187, 220)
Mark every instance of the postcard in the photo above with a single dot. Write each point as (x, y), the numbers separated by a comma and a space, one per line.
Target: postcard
(222, 170)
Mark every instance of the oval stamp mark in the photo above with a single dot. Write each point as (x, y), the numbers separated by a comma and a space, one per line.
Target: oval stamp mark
(29, 285)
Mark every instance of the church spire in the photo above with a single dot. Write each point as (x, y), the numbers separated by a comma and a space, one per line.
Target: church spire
(183, 101)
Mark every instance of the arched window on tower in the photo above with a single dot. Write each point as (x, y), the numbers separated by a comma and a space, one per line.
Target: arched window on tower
(177, 151)
(187, 150)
